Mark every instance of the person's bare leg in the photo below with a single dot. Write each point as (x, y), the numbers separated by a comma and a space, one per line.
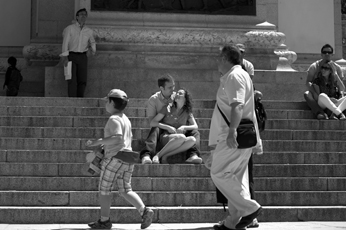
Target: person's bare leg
(188, 143)
(176, 141)
(134, 199)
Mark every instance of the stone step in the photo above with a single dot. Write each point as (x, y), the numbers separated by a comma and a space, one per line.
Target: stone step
(9, 143)
(133, 102)
(176, 214)
(88, 102)
(167, 198)
(172, 170)
(81, 121)
(130, 112)
(158, 183)
(141, 122)
(78, 156)
(142, 133)
(82, 111)
(300, 158)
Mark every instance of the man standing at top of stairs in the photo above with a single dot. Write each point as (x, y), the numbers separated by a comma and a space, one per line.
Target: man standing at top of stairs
(77, 40)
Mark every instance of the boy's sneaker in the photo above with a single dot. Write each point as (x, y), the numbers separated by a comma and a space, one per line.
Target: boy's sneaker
(100, 224)
(147, 218)
(146, 160)
(194, 159)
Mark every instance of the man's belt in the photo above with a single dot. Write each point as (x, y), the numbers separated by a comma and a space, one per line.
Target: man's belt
(71, 52)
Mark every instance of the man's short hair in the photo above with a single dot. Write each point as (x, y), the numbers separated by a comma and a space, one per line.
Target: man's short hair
(81, 10)
(165, 78)
(12, 61)
(231, 54)
(327, 46)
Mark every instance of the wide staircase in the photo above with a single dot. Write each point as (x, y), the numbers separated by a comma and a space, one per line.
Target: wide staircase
(43, 175)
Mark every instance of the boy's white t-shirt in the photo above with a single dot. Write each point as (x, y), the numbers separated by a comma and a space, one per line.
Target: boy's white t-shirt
(125, 129)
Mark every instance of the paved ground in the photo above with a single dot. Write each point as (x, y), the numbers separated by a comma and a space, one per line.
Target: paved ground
(200, 226)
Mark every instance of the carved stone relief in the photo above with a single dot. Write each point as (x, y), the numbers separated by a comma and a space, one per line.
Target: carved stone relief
(224, 7)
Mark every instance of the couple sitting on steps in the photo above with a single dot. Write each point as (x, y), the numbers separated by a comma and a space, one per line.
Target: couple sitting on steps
(325, 87)
(173, 127)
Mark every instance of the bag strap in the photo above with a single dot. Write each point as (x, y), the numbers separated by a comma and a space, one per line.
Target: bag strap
(223, 115)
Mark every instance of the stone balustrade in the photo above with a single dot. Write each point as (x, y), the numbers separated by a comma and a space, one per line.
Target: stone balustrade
(260, 41)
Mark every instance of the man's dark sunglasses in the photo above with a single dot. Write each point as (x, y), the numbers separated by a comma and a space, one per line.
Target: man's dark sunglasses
(326, 68)
(327, 52)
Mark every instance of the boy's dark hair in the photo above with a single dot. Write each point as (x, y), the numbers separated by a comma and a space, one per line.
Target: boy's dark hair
(327, 46)
(12, 61)
(119, 103)
(231, 54)
(165, 78)
(81, 10)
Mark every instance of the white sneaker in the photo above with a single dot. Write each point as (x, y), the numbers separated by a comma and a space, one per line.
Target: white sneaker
(194, 159)
(146, 160)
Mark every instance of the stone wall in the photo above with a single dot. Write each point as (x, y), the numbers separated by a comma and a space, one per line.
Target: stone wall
(49, 18)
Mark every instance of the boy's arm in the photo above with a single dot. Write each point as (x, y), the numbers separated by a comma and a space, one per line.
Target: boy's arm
(115, 138)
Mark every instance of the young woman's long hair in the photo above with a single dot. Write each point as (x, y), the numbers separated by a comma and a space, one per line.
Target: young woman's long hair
(332, 77)
(188, 101)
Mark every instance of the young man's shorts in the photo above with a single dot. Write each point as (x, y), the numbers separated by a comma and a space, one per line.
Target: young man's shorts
(115, 173)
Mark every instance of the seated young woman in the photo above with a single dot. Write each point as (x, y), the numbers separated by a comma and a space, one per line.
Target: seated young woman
(327, 92)
(175, 119)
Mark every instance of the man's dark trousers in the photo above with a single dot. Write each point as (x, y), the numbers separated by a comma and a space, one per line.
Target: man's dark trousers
(76, 86)
(251, 180)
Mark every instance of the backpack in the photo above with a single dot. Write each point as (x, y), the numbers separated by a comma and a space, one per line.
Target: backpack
(261, 115)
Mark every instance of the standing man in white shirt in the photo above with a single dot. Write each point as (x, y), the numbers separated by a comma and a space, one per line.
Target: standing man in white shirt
(235, 98)
(78, 40)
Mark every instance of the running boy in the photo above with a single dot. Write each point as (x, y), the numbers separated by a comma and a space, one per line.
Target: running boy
(117, 137)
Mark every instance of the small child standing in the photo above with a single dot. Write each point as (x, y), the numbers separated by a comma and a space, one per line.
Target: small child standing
(117, 137)
(13, 78)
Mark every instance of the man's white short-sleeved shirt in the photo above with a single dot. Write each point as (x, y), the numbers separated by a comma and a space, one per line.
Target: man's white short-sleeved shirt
(235, 86)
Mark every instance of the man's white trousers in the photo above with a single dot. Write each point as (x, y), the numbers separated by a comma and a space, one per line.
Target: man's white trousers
(229, 174)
